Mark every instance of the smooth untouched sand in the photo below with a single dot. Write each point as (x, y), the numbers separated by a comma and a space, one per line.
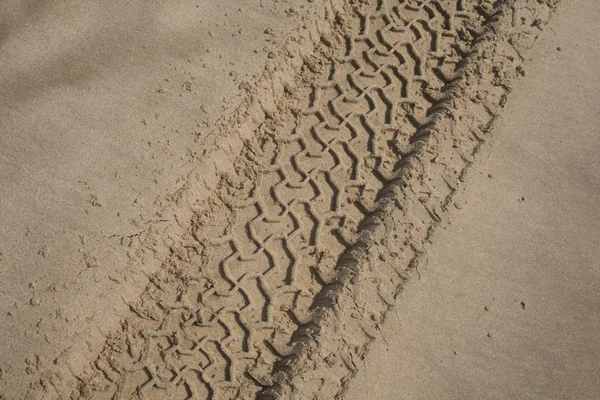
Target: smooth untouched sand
(506, 304)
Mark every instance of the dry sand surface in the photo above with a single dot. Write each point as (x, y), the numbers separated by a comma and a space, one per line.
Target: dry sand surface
(507, 304)
(220, 199)
(105, 110)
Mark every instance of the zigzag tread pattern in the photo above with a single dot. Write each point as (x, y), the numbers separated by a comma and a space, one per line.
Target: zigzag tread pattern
(231, 300)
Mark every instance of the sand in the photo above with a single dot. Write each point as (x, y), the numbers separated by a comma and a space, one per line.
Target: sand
(507, 304)
(105, 111)
(212, 201)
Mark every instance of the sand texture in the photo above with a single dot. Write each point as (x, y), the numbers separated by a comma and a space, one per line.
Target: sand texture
(506, 304)
(107, 112)
(223, 200)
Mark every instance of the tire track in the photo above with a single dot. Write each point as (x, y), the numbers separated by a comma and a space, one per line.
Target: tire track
(261, 266)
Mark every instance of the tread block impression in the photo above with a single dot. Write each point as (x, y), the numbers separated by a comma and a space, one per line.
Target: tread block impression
(230, 302)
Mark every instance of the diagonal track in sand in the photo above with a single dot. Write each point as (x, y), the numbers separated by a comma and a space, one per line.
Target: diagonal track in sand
(296, 258)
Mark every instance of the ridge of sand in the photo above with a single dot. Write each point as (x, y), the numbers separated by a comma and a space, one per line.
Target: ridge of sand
(349, 312)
